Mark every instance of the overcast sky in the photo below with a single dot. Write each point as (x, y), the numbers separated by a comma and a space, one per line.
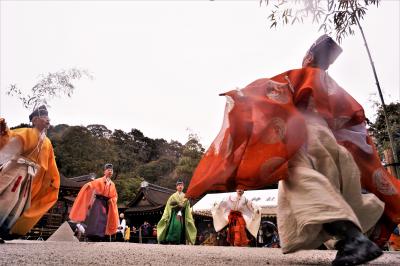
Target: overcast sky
(159, 66)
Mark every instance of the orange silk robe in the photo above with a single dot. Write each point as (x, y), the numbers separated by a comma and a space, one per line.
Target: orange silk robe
(263, 129)
(85, 199)
(45, 184)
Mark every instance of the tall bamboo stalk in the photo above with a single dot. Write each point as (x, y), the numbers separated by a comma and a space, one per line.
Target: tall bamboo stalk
(392, 143)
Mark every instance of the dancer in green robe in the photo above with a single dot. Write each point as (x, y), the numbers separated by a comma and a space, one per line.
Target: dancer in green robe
(177, 225)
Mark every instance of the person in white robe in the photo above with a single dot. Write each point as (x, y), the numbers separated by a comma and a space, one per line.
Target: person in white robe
(121, 228)
(238, 213)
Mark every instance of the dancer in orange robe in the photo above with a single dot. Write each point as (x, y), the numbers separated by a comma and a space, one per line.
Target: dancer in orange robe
(302, 128)
(96, 206)
(33, 145)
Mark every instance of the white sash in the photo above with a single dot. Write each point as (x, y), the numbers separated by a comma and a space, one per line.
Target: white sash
(16, 177)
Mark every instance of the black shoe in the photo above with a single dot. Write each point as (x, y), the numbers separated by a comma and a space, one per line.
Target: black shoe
(355, 251)
(10, 236)
(339, 247)
(2, 241)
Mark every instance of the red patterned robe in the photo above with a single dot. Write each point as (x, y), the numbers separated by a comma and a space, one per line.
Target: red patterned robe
(264, 128)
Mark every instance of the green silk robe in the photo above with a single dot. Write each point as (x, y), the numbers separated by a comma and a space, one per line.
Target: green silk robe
(170, 212)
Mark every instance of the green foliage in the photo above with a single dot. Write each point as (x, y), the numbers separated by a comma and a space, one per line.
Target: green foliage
(22, 125)
(378, 128)
(156, 170)
(126, 150)
(99, 131)
(127, 187)
(333, 15)
(81, 150)
(78, 152)
(191, 155)
(56, 133)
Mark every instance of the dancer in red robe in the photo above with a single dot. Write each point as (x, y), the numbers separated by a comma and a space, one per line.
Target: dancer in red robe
(302, 128)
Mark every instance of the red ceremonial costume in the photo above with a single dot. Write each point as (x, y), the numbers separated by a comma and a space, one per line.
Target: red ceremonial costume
(271, 125)
(302, 129)
(263, 129)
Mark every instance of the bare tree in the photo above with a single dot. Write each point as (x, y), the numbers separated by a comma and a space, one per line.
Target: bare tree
(49, 86)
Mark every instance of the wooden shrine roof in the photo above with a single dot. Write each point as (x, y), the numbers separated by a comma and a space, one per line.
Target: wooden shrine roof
(150, 198)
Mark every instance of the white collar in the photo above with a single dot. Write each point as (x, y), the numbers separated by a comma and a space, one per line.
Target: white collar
(235, 197)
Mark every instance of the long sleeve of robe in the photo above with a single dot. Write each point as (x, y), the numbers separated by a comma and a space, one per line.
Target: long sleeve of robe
(46, 183)
(85, 198)
(163, 224)
(122, 227)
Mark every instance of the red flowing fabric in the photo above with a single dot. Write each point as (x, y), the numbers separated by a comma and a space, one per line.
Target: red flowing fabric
(263, 130)
(341, 111)
(332, 102)
(237, 230)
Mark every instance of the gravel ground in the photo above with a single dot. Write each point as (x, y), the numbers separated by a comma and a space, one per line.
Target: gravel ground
(19, 252)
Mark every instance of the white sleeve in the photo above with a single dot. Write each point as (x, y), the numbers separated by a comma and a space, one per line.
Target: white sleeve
(123, 224)
(12, 148)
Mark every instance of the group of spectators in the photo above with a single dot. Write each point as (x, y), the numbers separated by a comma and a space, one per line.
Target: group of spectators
(145, 233)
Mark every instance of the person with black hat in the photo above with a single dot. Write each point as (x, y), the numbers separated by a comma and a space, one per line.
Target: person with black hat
(322, 197)
(301, 129)
(176, 225)
(29, 178)
(96, 207)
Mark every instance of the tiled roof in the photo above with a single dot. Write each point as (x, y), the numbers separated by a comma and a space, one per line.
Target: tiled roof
(155, 195)
(149, 198)
(144, 209)
(72, 183)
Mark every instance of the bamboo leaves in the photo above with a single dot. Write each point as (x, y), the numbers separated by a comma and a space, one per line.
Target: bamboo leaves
(339, 16)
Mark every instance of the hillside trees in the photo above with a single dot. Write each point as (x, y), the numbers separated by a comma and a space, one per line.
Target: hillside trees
(378, 128)
(191, 155)
(78, 152)
(81, 150)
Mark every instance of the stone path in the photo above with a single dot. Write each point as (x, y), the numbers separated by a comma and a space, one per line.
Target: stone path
(25, 252)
